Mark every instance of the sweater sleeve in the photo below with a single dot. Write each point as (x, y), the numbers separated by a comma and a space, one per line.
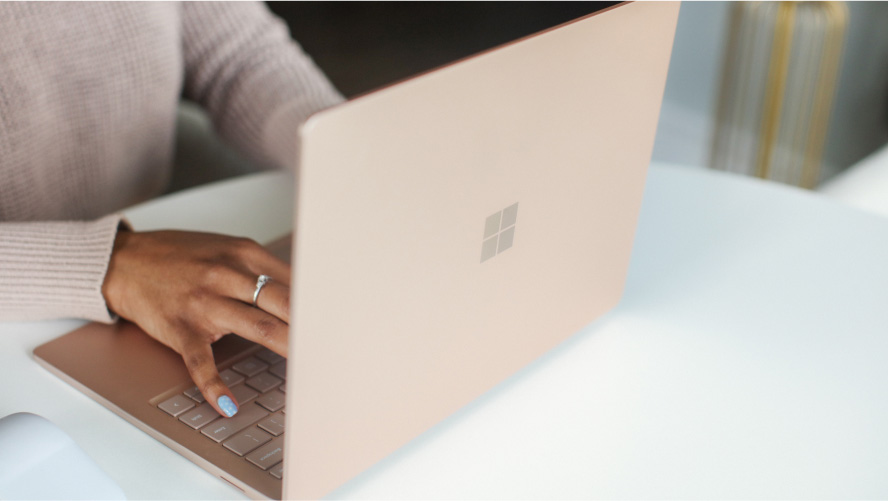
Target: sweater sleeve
(256, 83)
(55, 269)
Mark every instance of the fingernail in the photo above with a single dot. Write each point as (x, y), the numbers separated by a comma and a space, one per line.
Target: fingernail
(227, 405)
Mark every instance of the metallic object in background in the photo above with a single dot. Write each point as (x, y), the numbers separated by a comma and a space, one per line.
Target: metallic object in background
(778, 82)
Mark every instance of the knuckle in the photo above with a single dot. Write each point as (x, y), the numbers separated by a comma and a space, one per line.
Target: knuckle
(196, 300)
(216, 274)
(195, 361)
(245, 247)
(266, 327)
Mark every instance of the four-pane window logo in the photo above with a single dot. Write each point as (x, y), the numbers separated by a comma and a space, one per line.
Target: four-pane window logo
(499, 232)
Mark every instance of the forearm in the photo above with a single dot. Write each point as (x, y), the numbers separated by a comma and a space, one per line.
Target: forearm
(55, 269)
(255, 81)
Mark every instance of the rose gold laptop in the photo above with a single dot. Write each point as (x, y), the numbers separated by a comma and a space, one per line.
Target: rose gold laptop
(449, 230)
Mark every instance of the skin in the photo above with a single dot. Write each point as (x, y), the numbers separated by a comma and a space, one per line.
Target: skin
(189, 289)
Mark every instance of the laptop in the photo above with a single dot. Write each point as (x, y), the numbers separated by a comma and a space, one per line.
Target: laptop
(449, 229)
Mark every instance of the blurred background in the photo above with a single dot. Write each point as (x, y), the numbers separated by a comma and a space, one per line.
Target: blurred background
(793, 92)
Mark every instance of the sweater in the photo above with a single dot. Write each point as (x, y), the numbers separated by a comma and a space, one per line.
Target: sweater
(88, 98)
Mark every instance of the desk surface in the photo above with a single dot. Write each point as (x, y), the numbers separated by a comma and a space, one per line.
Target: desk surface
(747, 359)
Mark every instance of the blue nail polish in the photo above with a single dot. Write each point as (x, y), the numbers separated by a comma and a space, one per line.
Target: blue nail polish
(227, 405)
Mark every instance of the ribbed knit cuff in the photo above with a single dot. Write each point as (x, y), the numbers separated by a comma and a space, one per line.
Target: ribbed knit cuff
(55, 269)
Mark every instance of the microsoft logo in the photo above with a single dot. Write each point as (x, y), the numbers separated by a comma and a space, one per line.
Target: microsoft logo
(499, 232)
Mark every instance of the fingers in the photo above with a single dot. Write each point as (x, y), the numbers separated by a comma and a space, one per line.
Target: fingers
(250, 261)
(254, 324)
(267, 264)
(274, 297)
(201, 366)
(258, 261)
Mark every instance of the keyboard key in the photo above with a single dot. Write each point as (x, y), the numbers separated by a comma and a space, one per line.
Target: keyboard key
(279, 370)
(194, 394)
(273, 424)
(176, 405)
(246, 441)
(221, 429)
(268, 455)
(230, 378)
(277, 471)
(273, 400)
(200, 416)
(268, 356)
(243, 394)
(250, 367)
(264, 382)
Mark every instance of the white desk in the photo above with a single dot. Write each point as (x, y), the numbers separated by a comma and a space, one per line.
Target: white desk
(747, 359)
(864, 184)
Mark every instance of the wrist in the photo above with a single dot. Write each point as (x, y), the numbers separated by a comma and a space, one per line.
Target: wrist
(112, 286)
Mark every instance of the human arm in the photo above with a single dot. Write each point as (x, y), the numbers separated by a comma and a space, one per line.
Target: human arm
(185, 289)
(255, 82)
(55, 269)
(84, 143)
(189, 289)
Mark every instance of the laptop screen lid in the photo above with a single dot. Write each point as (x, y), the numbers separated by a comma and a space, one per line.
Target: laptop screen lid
(454, 227)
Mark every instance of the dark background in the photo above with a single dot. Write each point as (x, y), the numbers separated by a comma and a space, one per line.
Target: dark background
(365, 45)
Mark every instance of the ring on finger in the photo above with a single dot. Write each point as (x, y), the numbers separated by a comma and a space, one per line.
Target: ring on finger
(260, 283)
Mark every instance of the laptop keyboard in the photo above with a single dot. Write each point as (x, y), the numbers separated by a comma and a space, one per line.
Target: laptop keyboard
(256, 432)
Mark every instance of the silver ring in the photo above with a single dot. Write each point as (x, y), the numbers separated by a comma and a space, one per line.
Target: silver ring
(260, 283)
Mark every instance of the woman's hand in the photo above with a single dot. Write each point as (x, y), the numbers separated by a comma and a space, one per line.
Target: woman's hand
(189, 289)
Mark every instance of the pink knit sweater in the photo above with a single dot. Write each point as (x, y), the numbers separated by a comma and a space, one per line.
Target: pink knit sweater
(88, 97)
